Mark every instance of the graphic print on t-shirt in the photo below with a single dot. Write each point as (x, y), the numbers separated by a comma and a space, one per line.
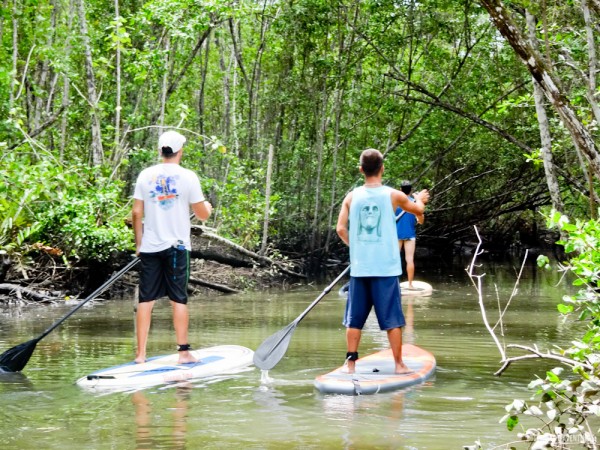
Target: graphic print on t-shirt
(164, 191)
(369, 219)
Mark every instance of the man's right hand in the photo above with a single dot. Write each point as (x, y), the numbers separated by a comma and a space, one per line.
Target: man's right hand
(422, 195)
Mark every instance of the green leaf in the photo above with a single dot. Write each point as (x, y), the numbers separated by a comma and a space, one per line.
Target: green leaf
(512, 422)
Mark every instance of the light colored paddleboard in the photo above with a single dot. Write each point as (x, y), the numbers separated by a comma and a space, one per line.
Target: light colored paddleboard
(420, 288)
(375, 373)
(218, 360)
(343, 292)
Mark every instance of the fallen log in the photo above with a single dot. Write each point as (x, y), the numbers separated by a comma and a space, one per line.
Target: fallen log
(20, 291)
(214, 286)
(201, 233)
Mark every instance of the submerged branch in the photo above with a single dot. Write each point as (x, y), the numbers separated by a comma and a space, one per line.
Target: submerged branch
(535, 353)
(476, 279)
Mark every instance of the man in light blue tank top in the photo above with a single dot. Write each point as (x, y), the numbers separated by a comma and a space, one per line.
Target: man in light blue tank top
(367, 224)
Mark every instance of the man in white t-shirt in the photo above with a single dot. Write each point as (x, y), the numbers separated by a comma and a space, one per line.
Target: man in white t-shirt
(163, 196)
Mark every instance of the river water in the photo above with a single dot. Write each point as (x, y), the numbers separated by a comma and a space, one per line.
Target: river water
(42, 408)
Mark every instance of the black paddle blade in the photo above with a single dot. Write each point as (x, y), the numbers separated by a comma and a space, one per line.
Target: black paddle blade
(15, 359)
(270, 352)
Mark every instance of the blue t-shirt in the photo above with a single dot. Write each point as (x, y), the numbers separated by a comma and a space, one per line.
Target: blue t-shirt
(372, 234)
(406, 227)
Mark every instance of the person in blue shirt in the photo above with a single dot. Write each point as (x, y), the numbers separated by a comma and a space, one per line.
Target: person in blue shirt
(406, 228)
(367, 224)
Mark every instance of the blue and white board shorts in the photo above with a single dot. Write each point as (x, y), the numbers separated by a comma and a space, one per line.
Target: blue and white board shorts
(381, 293)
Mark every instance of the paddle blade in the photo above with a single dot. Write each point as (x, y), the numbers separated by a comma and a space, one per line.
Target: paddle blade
(15, 359)
(270, 352)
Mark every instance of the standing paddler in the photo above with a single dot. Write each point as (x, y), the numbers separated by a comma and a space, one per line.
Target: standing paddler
(367, 224)
(164, 194)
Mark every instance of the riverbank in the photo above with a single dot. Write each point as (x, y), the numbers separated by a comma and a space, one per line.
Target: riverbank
(217, 267)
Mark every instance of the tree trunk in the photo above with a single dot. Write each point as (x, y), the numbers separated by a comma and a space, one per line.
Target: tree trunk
(263, 247)
(540, 72)
(545, 137)
(240, 63)
(97, 152)
(591, 83)
(322, 118)
(66, 92)
(595, 5)
(15, 53)
(165, 82)
(204, 73)
(44, 71)
(117, 140)
(226, 91)
(338, 99)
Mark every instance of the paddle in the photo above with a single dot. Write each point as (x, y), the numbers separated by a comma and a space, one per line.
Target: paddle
(270, 352)
(17, 357)
(273, 348)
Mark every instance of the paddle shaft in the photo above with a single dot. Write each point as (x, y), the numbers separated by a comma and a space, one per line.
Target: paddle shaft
(272, 349)
(93, 295)
(330, 287)
(326, 291)
(15, 358)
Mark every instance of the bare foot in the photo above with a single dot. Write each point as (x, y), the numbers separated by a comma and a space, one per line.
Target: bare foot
(411, 288)
(402, 369)
(349, 367)
(186, 358)
(140, 359)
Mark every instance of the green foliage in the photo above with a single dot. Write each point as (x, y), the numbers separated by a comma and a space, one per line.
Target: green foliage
(320, 81)
(241, 210)
(76, 209)
(88, 222)
(569, 400)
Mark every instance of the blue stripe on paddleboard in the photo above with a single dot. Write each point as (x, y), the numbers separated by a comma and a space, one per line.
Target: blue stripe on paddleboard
(205, 360)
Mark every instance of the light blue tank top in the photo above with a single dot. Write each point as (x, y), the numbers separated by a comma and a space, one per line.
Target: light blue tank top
(373, 239)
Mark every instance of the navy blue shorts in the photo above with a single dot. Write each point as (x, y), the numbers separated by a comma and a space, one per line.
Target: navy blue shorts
(381, 293)
(164, 273)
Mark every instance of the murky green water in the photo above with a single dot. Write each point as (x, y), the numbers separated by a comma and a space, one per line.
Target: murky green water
(43, 408)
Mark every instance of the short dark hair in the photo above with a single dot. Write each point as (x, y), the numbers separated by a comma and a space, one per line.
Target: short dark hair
(406, 187)
(371, 161)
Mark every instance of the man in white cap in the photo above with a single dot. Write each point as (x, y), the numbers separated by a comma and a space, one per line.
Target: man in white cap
(163, 196)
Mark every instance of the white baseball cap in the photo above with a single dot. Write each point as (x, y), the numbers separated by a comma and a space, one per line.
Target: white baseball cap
(171, 139)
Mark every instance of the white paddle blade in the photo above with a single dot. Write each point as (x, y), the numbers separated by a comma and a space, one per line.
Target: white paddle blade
(270, 352)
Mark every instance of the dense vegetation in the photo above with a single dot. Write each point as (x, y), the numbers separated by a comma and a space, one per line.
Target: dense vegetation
(86, 87)
(278, 98)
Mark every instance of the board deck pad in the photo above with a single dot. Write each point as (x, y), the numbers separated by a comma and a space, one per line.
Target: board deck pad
(218, 360)
(420, 289)
(375, 373)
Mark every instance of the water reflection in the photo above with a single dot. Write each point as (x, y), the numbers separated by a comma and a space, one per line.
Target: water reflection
(408, 334)
(11, 381)
(149, 423)
(42, 408)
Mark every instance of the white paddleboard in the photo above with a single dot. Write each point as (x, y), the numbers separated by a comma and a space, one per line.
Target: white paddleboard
(218, 360)
(343, 291)
(376, 373)
(419, 288)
